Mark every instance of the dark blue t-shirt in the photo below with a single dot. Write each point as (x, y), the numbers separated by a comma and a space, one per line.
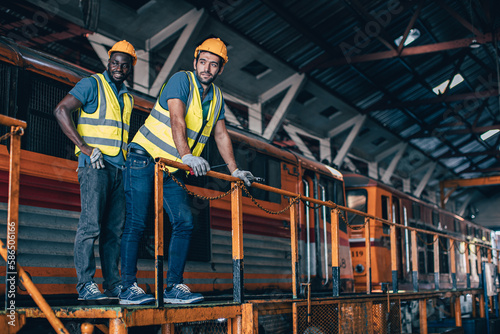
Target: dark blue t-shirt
(86, 92)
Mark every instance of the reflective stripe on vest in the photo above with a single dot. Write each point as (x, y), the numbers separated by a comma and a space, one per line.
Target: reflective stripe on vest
(104, 128)
(155, 136)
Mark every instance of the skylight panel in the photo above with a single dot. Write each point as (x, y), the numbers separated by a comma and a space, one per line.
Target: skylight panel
(489, 134)
(441, 87)
(412, 36)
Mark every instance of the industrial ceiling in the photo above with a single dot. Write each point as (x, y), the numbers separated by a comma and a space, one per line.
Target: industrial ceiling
(327, 79)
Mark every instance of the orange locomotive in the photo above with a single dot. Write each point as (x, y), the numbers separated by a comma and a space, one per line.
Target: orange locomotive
(373, 197)
(32, 83)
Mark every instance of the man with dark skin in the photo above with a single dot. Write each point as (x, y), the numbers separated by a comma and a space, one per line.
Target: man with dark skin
(104, 106)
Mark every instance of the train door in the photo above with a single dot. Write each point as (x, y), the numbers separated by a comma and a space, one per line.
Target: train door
(396, 218)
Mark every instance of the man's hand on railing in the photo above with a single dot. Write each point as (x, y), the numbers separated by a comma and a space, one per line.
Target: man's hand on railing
(244, 175)
(199, 165)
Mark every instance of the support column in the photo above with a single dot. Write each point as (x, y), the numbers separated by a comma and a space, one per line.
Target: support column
(423, 316)
(458, 312)
(250, 319)
(117, 326)
(237, 231)
(169, 328)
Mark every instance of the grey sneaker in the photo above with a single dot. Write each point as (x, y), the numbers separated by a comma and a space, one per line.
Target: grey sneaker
(90, 291)
(134, 295)
(115, 292)
(180, 294)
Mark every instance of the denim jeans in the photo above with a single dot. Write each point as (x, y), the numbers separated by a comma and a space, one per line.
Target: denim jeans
(139, 191)
(102, 216)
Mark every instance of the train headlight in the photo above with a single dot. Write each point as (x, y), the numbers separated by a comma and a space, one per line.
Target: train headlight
(359, 268)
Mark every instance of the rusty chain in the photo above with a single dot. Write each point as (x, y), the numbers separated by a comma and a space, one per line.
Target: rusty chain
(183, 186)
(17, 131)
(423, 241)
(292, 202)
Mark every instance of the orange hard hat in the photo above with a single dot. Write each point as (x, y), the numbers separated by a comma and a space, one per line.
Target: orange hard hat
(215, 46)
(125, 47)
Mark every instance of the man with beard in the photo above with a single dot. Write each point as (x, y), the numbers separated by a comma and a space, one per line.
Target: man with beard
(104, 108)
(188, 108)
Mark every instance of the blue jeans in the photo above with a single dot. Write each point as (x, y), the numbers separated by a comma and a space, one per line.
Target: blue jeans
(139, 191)
(102, 216)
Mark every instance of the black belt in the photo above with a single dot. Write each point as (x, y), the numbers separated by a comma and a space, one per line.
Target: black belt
(139, 151)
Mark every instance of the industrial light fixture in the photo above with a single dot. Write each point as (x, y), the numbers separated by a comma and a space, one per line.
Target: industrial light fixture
(439, 89)
(412, 36)
(489, 134)
(474, 44)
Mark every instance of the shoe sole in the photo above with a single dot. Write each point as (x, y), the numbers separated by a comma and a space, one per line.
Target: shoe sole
(133, 302)
(182, 301)
(91, 300)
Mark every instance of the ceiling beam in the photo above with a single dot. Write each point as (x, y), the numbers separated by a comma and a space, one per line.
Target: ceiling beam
(468, 154)
(410, 26)
(459, 18)
(477, 95)
(479, 129)
(323, 61)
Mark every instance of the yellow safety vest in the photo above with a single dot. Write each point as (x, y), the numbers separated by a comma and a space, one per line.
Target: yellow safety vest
(155, 136)
(106, 128)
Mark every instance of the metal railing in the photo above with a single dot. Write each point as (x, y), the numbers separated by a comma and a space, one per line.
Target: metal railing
(9, 250)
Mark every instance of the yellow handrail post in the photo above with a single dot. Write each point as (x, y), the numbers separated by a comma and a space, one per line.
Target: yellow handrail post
(159, 234)
(294, 247)
(237, 228)
(414, 260)
(453, 265)
(394, 259)
(368, 256)
(436, 261)
(335, 252)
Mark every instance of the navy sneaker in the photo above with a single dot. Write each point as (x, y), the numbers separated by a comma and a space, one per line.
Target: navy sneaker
(180, 294)
(90, 291)
(114, 293)
(134, 295)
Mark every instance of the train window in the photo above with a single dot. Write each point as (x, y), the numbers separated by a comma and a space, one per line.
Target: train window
(334, 191)
(385, 206)
(416, 211)
(357, 199)
(430, 253)
(457, 226)
(260, 165)
(435, 218)
(467, 229)
(444, 245)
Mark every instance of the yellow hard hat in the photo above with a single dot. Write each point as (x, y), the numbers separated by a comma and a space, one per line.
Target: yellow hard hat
(215, 46)
(125, 47)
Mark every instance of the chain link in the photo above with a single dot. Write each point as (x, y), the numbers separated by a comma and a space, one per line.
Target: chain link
(17, 131)
(180, 184)
(423, 241)
(292, 201)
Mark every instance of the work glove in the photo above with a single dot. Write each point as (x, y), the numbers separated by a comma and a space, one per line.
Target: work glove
(244, 175)
(96, 158)
(199, 165)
